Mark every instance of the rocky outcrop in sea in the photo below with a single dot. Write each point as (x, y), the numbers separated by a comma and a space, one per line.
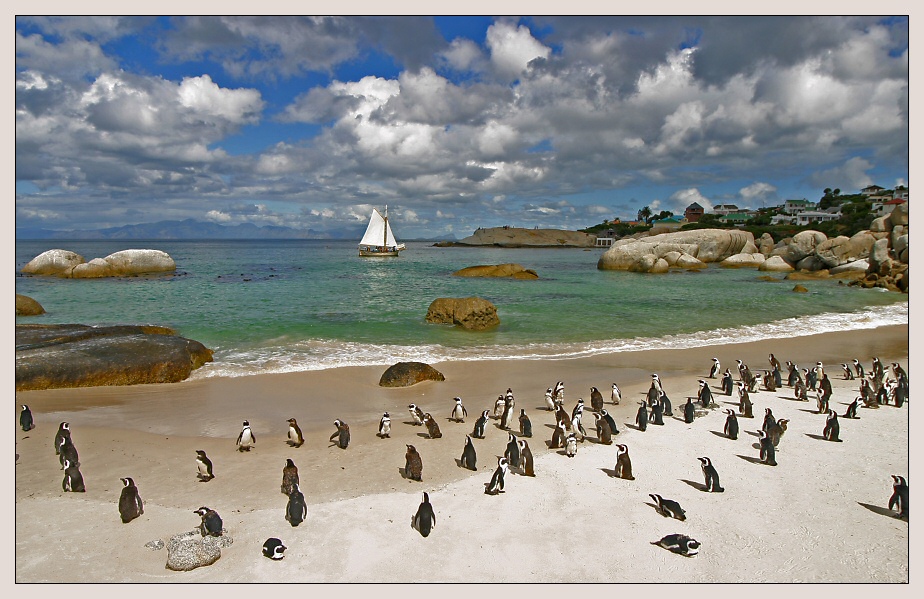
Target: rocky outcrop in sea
(75, 355)
(514, 237)
(472, 313)
(514, 271)
(67, 264)
(688, 249)
(26, 306)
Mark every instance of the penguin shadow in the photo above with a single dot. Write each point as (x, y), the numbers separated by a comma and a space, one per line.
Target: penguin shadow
(655, 508)
(610, 472)
(423, 435)
(500, 428)
(808, 411)
(719, 434)
(819, 437)
(459, 464)
(753, 433)
(632, 426)
(695, 485)
(405, 476)
(877, 509)
(551, 426)
(748, 458)
(732, 403)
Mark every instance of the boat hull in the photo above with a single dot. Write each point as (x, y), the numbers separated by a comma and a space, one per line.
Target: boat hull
(376, 253)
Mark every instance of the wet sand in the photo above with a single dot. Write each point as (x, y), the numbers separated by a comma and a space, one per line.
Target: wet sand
(820, 516)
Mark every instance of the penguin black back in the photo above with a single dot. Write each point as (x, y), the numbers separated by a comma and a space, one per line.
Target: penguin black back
(731, 425)
(425, 519)
(296, 510)
(899, 498)
(130, 504)
(211, 524)
(468, 454)
(641, 419)
(73, 480)
(526, 427)
(273, 548)
(25, 419)
(64, 430)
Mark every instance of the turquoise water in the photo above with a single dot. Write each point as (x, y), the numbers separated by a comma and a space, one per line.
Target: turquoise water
(278, 306)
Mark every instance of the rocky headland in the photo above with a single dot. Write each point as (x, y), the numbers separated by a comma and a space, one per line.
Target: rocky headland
(68, 264)
(75, 355)
(514, 237)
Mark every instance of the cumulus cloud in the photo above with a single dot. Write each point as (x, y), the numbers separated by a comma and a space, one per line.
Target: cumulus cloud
(852, 174)
(512, 48)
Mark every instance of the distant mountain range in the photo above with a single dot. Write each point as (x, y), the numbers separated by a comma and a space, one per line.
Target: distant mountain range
(193, 229)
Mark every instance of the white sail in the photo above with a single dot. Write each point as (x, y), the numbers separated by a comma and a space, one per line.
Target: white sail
(375, 232)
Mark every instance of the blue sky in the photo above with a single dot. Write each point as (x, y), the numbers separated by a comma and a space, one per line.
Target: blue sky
(453, 122)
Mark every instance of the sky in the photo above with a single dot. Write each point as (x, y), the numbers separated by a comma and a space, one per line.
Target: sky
(454, 123)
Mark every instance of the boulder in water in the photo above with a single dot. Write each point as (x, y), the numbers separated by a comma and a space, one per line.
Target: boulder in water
(473, 313)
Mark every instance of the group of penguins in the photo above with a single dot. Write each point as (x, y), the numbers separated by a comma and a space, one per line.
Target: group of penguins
(876, 389)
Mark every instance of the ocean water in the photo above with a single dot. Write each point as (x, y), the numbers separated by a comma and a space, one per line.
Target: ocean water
(283, 306)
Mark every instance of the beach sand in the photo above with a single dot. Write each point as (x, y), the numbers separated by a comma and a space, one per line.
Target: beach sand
(819, 516)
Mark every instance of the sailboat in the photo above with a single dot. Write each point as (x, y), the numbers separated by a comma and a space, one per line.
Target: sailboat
(379, 239)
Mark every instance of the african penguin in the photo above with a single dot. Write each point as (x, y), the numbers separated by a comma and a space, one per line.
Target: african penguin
(656, 414)
(858, 368)
(512, 452)
(852, 409)
(416, 414)
(832, 429)
(848, 374)
(468, 454)
(497, 479)
(507, 416)
(526, 427)
(727, 382)
(64, 430)
(478, 431)
(433, 429)
(767, 451)
(25, 419)
(604, 434)
(558, 394)
(558, 436)
(67, 452)
(680, 544)
(203, 466)
(296, 509)
(668, 507)
(289, 477)
(641, 418)
(776, 429)
(458, 412)
(899, 496)
(715, 368)
(623, 463)
(413, 465)
(596, 399)
(425, 519)
(526, 458)
(73, 480)
(549, 402)
(130, 504)
(342, 434)
(689, 411)
(295, 434)
(273, 548)
(610, 421)
(711, 476)
(385, 426)
(615, 394)
(705, 394)
(731, 424)
(571, 445)
(774, 363)
(211, 524)
(768, 419)
(745, 407)
(499, 406)
(665, 404)
(246, 438)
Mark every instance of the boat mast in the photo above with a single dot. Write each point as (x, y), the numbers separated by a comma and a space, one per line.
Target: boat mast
(385, 232)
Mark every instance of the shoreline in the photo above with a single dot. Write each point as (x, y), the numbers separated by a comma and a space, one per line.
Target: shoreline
(151, 432)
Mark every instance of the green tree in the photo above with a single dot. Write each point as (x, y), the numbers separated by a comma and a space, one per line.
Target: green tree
(644, 214)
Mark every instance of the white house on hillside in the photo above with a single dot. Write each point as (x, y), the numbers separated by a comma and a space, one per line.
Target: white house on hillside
(811, 216)
(797, 206)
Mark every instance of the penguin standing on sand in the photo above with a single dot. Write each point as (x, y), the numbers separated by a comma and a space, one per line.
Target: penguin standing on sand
(858, 368)
(67, 452)
(656, 414)
(689, 411)
(731, 424)
(558, 436)
(561, 415)
(767, 451)
(571, 445)
(705, 394)
(899, 496)
(507, 417)
(296, 510)
(711, 476)
(777, 377)
(295, 434)
(130, 504)
(64, 430)
(800, 391)
(273, 549)
(203, 467)
(468, 454)
(654, 393)
(641, 418)
(578, 409)
(478, 431)
(577, 427)
(774, 363)
(512, 453)
(745, 407)
(665, 402)
(811, 378)
(549, 402)
(821, 401)
(413, 464)
(793, 374)
(852, 409)
(526, 458)
(497, 479)
(433, 429)
(211, 524)
(714, 371)
(615, 394)
(342, 434)
(768, 419)
(832, 429)
(499, 406)
(458, 411)
(610, 421)
(727, 382)
(73, 480)
(425, 519)
(775, 431)
(825, 385)
(385, 426)
(246, 438)
(668, 507)
(604, 434)
(25, 419)
(558, 393)
(848, 373)
(623, 463)
(289, 477)
(526, 427)
(596, 399)
(680, 544)
(416, 414)
(769, 381)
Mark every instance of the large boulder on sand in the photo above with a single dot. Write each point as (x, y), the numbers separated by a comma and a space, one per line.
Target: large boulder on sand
(190, 550)
(76, 355)
(497, 270)
(405, 374)
(842, 249)
(801, 245)
(707, 245)
(473, 313)
(765, 244)
(26, 306)
(53, 262)
(879, 260)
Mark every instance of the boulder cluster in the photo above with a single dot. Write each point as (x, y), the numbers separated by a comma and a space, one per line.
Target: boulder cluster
(67, 264)
(875, 258)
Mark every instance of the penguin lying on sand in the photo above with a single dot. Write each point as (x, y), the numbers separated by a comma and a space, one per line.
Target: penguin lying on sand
(273, 548)
(668, 507)
(680, 544)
